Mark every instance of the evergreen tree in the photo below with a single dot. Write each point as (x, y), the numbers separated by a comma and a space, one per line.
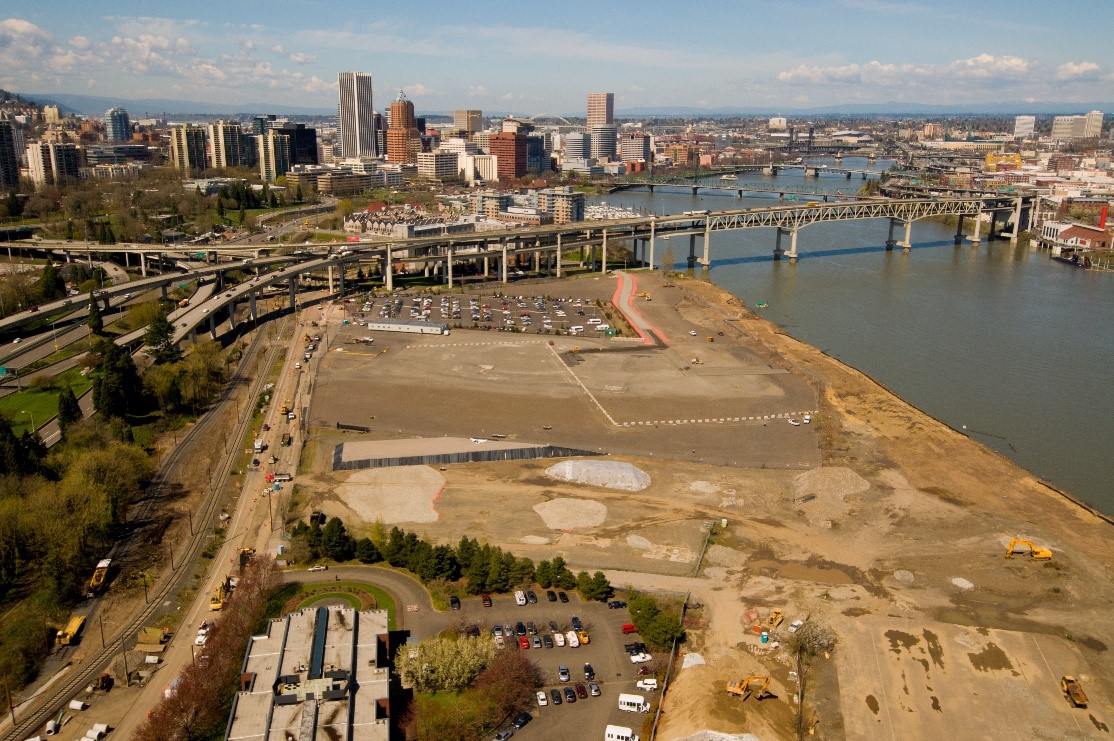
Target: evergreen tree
(298, 193)
(96, 322)
(69, 411)
(160, 338)
(243, 214)
(13, 205)
(69, 229)
(336, 543)
(51, 284)
(220, 208)
(544, 574)
(465, 550)
(117, 388)
(366, 552)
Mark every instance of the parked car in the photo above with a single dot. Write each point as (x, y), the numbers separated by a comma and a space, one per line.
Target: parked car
(523, 642)
(522, 719)
(542, 699)
(563, 673)
(796, 625)
(564, 597)
(559, 639)
(576, 624)
(532, 598)
(531, 628)
(504, 735)
(454, 602)
(593, 689)
(615, 604)
(318, 567)
(581, 690)
(589, 672)
(497, 630)
(551, 595)
(556, 695)
(536, 642)
(486, 599)
(547, 641)
(520, 628)
(570, 694)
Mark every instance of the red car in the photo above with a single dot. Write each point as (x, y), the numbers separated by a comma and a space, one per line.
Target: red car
(486, 599)
(523, 642)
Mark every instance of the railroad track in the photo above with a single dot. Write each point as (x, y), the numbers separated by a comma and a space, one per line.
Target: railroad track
(53, 701)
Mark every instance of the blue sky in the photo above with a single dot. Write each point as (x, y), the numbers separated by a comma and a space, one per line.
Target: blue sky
(533, 57)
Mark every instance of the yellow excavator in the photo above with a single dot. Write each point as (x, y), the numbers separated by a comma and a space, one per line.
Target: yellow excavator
(757, 686)
(1037, 553)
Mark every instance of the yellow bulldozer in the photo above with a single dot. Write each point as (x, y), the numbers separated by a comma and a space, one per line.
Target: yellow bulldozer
(1037, 553)
(757, 686)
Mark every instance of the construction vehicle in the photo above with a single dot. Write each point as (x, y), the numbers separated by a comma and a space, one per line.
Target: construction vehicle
(1037, 553)
(103, 683)
(1073, 691)
(776, 616)
(245, 556)
(220, 594)
(71, 633)
(99, 578)
(757, 686)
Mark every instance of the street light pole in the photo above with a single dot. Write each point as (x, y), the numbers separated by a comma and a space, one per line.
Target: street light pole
(33, 428)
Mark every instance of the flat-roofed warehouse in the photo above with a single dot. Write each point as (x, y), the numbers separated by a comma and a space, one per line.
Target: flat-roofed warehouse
(319, 673)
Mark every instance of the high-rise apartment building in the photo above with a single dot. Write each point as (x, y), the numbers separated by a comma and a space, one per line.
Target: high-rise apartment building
(117, 125)
(274, 154)
(1024, 127)
(403, 140)
(601, 109)
(187, 147)
(634, 147)
(1092, 125)
(9, 162)
(577, 146)
(510, 152)
(467, 121)
(1070, 128)
(52, 163)
(356, 116)
(225, 147)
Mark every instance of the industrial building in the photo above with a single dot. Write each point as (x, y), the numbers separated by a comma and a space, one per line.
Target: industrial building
(319, 673)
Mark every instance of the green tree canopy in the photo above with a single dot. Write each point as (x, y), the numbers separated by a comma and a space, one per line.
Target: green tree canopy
(160, 338)
(69, 411)
(96, 322)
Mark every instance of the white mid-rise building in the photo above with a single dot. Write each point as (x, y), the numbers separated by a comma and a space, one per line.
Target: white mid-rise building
(1024, 127)
(439, 165)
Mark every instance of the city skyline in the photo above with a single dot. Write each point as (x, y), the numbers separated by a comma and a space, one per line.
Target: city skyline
(807, 54)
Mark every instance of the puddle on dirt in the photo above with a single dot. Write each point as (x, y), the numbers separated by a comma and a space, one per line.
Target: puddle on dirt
(872, 703)
(856, 611)
(899, 640)
(935, 704)
(935, 650)
(990, 658)
(1093, 643)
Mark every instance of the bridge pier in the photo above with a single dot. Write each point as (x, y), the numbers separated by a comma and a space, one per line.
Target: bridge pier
(707, 262)
(978, 227)
(792, 254)
(388, 270)
(253, 309)
(232, 315)
(558, 254)
(692, 251)
(603, 253)
(449, 267)
(292, 289)
(330, 279)
(890, 237)
(143, 264)
(848, 174)
(503, 264)
(695, 189)
(863, 174)
(959, 230)
(651, 188)
(340, 278)
(212, 326)
(907, 244)
(653, 225)
(163, 291)
(1016, 221)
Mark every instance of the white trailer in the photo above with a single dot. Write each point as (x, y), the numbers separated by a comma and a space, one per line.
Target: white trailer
(633, 703)
(410, 326)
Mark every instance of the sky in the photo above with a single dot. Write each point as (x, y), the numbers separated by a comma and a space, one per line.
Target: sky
(536, 58)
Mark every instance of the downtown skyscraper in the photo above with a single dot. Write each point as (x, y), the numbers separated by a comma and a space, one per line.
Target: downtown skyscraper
(601, 110)
(356, 116)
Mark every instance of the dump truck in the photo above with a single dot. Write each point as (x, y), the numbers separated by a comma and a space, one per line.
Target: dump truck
(245, 556)
(100, 577)
(287, 438)
(1073, 691)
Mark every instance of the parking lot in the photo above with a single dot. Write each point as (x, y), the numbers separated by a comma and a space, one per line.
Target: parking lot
(614, 672)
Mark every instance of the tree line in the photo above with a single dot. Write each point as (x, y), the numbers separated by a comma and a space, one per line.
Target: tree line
(485, 568)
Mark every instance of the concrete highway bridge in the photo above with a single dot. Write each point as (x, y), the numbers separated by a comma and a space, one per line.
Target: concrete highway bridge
(738, 190)
(544, 249)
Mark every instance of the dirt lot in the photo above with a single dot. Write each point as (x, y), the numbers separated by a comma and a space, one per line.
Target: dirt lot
(874, 520)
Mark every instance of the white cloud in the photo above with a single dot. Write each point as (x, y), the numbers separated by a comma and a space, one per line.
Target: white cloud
(637, 89)
(79, 42)
(247, 44)
(476, 90)
(1076, 70)
(21, 40)
(415, 90)
(984, 68)
(301, 58)
(277, 49)
(987, 66)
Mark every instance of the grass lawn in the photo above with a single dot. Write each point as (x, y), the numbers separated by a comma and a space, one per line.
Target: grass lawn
(41, 404)
(383, 600)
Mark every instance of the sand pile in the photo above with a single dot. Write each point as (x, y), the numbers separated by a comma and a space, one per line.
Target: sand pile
(608, 474)
(821, 492)
(393, 495)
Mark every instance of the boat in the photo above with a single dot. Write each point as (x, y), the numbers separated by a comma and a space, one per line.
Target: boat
(729, 178)
(761, 305)
(794, 422)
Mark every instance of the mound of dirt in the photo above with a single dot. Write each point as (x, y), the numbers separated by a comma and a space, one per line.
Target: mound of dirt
(393, 495)
(608, 474)
(567, 514)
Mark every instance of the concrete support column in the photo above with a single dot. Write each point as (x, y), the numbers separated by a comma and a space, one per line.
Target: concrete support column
(212, 326)
(253, 309)
(340, 277)
(603, 253)
(993, 231)
(219, 281)
(793, 245)
(558, 254)
(163, 288)
(330, 279)
(653, 226)
(503, 264)
(692, 251)
(388, 270)
(959, 230)
(449, 267)
(143, 264)
(1016, 221)
(707, 242)
(908, 243)
(537, 257)
(978, 227)
(778, 251)
(487, 265)
(890, 236)
(232, 314)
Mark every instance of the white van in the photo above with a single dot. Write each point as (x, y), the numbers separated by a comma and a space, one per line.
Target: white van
(520, 598)
(595, 320)
(576, 329)
(602, 327)
(619, 733)
(633, 703)
(571, 639)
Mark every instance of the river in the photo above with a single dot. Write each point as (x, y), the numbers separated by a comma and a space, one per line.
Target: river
(997, 341)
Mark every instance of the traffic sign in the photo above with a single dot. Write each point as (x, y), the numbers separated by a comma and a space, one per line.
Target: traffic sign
(3, 371)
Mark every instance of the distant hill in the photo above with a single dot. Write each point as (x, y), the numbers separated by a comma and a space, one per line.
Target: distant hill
(893, 108)
(96, 105)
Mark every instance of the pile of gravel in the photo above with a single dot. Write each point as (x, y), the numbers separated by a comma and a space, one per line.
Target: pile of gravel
(608, 474)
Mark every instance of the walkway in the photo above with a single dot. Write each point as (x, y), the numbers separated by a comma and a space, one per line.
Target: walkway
(623, 300)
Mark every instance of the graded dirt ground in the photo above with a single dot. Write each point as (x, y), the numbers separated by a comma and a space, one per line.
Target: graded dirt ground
(874, 520)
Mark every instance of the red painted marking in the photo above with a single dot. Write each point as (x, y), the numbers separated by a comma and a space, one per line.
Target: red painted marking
(633, 293)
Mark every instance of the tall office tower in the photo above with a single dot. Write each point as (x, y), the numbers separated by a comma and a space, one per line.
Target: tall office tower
(260, 124)
(224, 144)
(9, 163)
(604, 141)
(601, 109)
(510, 152)
(274, 154)
(53, 163)
(403, 140)
(634, 147)
(537, 158)
(1092, 126)
(303, 143)
(1024, 126)
(187, 147)
(117, 126)
(578, 146)
(467, 121)
(356, 116)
